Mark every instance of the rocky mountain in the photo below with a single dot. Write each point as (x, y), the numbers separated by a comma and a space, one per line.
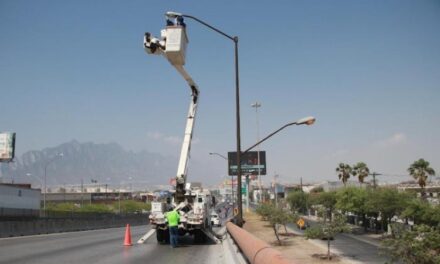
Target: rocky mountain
(89, 162)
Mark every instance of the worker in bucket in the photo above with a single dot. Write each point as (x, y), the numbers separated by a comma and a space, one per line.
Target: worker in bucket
(173, 218)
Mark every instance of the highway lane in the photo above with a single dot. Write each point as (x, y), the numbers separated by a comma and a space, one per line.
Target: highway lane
(105, 246)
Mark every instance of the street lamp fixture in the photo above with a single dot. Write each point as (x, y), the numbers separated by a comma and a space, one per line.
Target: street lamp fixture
(171, 14)
(217, 154)
(310, 120)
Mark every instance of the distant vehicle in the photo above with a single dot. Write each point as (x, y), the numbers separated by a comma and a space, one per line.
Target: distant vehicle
(215, 220)
(302, 224)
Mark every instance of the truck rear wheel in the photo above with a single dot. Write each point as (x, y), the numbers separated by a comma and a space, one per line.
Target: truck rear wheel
(199, 236)
(162, 236)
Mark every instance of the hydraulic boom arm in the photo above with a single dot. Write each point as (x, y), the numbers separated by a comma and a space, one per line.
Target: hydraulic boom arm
(186, 146)
(172, 46)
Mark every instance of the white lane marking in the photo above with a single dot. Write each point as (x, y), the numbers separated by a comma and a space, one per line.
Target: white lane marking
(146, 236)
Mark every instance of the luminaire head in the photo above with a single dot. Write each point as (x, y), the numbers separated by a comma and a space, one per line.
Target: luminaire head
(306, 121)
(172, 14)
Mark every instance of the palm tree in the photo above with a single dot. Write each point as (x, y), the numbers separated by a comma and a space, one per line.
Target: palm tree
(361, 170)
(344, 171)
(420, 171)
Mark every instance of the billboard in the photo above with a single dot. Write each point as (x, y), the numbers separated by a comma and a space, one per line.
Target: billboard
(7, 147)
(249, 163)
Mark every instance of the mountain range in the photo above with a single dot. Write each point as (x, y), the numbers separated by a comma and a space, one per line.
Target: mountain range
(89, 163)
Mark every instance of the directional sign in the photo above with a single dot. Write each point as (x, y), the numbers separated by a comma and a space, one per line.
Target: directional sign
(249, 163)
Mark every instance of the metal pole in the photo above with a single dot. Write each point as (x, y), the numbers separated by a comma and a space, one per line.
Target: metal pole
(239, 221)
(45, 174)
(275, 189)
(232, 197)
(82, 193)
(257, 105)
(44, 194)
(374, 174)
(247, 193)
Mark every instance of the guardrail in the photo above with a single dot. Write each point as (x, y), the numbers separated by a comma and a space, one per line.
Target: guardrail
(254, 249)
(68, 224)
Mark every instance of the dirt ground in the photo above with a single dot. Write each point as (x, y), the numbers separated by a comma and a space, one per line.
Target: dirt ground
(294, 247)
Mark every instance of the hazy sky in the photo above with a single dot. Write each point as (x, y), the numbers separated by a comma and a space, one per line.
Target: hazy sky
(369, 71)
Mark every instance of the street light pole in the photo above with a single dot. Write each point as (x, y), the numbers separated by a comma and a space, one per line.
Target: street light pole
(303, 121)
(45, 176)
(232, 178)
(257, 105)
(170, 14)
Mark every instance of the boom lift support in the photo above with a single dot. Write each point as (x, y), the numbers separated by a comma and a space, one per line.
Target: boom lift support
(193, 204)
(172, 46)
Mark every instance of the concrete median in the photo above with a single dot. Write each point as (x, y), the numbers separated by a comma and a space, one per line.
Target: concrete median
(56, 225)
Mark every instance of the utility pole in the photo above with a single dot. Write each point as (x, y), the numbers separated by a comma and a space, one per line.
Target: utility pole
(257, 105)
(374, 174)
(275, 189)
(247, 193)
(82, 193)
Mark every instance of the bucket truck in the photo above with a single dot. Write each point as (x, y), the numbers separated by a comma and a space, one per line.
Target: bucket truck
(193, 203)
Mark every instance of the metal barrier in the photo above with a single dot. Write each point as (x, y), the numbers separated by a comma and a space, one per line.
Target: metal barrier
(255, 250)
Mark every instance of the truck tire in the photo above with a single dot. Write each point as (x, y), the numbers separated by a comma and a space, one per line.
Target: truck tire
(199, 236)
(162, 236)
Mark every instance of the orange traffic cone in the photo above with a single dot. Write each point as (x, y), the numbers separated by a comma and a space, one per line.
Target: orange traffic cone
(127, 240)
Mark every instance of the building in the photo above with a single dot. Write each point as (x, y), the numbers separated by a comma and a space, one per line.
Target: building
(432, 190)
(18, 200)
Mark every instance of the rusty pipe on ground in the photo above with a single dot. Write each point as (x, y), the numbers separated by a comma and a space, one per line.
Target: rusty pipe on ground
(255, 250)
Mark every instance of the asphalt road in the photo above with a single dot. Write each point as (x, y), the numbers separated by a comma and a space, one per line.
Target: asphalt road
(350, 247)
(105, 246)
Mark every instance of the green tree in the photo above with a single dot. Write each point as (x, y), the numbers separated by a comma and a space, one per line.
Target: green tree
(327, 229)
(420, 171)
(361, 170)
(264, 210)
(275, 216)
(387, 202)
(353, 199)
(421, 212)
(418, 246)
(280, 217)
(327, 200)
(344, 171)
(298, 201)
